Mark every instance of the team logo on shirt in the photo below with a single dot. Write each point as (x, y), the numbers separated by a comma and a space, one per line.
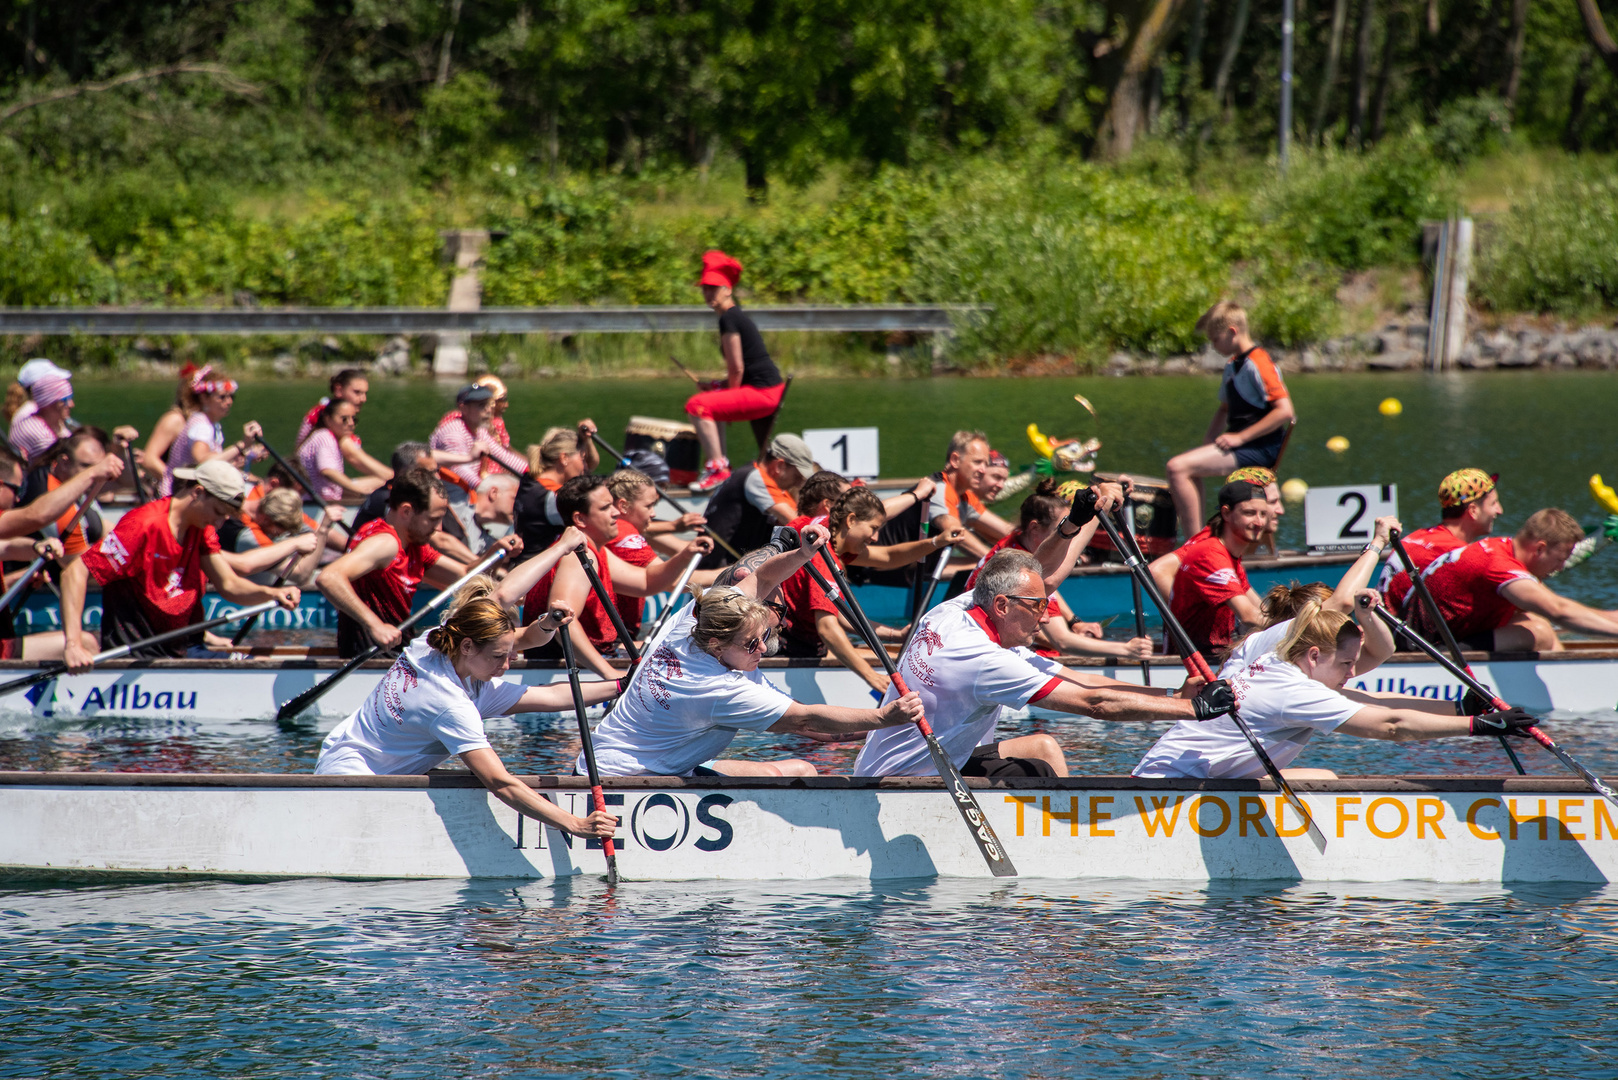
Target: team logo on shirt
(632, 542)
(114, 550)
(173, 586)
(399, 681)
(664, 664)
(1223, 576)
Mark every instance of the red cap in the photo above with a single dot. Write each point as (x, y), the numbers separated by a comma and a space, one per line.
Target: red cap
(719, 269)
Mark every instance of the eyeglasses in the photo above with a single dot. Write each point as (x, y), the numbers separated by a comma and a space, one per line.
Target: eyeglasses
(1041, 601)
(15, 489)
(757, 644)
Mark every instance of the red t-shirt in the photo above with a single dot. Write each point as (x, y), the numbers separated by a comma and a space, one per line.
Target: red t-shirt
(391, 590)
(1424, 545)
(1209, 576)
(1013, 537)
(141, 564)
(1466, 584)
(630, 546)
(803, 597)
(594, 619)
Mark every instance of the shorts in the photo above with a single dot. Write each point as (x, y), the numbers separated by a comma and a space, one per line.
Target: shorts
(1263, 453)
(742, 403)
(987, 762)
(11, 648)
(1482, 641)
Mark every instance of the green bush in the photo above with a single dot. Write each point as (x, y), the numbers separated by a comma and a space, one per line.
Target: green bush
(1555, 251)
(44, 265)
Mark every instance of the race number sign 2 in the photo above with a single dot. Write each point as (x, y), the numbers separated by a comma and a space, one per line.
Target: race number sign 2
(849, 451)
(1340, 518)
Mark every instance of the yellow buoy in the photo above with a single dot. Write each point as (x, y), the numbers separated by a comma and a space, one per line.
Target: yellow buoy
(1390, 407)
(1337, 444)
(1294, 490)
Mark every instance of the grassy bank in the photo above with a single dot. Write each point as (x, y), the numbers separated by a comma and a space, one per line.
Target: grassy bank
(1078, 259)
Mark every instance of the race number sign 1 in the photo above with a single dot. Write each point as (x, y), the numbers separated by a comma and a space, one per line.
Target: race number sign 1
(1339, 518)
(849, 451)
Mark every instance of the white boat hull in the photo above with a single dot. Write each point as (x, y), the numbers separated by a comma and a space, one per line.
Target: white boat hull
(444, 826)
(1581, 681)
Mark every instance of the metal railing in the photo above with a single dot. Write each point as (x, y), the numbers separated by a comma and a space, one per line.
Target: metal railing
(128, 322)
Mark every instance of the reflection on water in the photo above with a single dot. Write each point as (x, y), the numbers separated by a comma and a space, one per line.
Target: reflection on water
(1017, 979)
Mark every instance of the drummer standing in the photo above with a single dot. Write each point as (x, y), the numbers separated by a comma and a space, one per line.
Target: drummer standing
(152, 564)
(752, 388)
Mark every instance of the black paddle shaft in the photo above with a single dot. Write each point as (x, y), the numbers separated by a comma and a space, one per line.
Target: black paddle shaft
(966, 804)
(280, 580)
(600, 589)
(296, 474)
(1467, 679)
(134, 473)
(1424, 597)
(1195, 663)
(1134, 588)
(587, 740)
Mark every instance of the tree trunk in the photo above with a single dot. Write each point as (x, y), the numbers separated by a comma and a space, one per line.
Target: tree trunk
(1360, 105)
(1227, 59)
(449, 40)
(1334, 56)
(1384, 73)
(758, 184)
(1514, 51)
(1193, 60)
(1572, 138)
(1126, 114)
(1600, 38)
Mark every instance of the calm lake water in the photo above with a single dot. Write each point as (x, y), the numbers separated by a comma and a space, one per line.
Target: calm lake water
(1019, 978)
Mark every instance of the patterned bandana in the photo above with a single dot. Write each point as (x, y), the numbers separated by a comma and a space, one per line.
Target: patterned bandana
(1463, 486)
(1069, 489)
(207, 381)
(1253, 474)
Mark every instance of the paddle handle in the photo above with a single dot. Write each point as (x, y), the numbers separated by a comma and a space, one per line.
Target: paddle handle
(134, 473)
(587, 741)
(124, 650)
(316, 692)
(280, 580)
(927, 597)
(296, 474)
(1135, 593)
(685, 370)
(674, 599)
(966, 804)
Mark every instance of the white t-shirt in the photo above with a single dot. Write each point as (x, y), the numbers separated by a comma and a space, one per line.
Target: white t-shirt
(197, 429)
(965, 678)
(684, 708)
(1253, 646)
(419, 716)
(1283, 706)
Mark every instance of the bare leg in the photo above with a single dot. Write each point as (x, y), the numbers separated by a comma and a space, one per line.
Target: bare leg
(789, 767)
(708, 436)
(1185, 481)
(49, 645)
(1038, 747)
(1527, 632)
(1308, 774)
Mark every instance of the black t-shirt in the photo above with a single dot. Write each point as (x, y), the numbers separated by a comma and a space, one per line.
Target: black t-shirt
(757, 367)
(537, 519)
(374, 506)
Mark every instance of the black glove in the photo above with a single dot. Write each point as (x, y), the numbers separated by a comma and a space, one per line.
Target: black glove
(1512, 721)
(1083, 510)
(785, 538)
(1472, 703)
(1215, 699)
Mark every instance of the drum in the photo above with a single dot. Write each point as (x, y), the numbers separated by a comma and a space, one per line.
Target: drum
(1155, 525)
(674, 442)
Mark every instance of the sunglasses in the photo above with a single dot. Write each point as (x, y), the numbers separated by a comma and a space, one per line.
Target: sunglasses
(15, 489)
(1029, 600)
(757, 644)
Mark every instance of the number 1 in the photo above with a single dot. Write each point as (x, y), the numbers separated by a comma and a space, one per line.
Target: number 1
(842, 443)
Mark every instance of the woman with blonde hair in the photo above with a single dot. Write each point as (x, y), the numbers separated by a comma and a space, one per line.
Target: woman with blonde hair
(563, 454)
(1295, 691)
(700, 684)
(431, 705)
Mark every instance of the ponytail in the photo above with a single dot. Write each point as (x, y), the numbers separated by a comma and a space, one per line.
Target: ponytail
(1316, 627)
(475, 616)
(16, 397)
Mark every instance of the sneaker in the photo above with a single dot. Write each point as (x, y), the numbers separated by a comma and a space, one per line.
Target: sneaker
(713, 474)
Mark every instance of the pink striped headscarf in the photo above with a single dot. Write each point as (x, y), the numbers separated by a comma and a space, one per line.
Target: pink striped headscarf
(51, 389)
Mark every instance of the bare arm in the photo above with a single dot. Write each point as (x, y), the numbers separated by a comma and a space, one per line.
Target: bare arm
(907, 500)
(75, 580)
(1063, 638)
(762, 582)
(522, 579)
(1404, 724)
(558, 697)
(1164, 570)
(164, 432)
(53, 504)
(730, 347)
(357, 458)
(491, 772)
(1536, 597)
(573, 588)
(260, 559)
(893, 556)
(340, 478)
(238, 590)
(650, 580)
(1277, 417)
(1216, 426)
(838, 720)
(1058, 553)
(968, 543)
(337, 583)
(1247, 608)
(587, 445)
(1105, 699)
(451, 548)
(1359, 575)
(831, 632)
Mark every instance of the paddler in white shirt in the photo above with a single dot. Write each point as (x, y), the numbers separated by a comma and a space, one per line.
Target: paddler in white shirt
(700, 684)
(969, 660)
(431, 705)
(1295, 691)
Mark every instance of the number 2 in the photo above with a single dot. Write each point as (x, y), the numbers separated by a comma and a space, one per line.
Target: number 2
(842, 443)
(1349, 531)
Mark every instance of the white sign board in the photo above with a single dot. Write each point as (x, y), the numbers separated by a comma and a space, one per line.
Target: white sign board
(1344, 517)
(848, 451)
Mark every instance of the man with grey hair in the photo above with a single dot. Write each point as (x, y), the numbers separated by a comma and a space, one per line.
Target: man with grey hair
(969, 661)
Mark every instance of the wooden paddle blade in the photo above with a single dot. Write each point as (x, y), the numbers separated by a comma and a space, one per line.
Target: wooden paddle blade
(971, 813)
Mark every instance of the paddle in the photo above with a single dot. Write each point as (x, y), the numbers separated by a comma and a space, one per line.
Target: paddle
(685, 370)
(612, 610)
(140, 487)
(674, 599)
(34, 567)
(1471, 682)
(625, 463)
(598, 801)
(1134, 584)
(280, 580)
(125, 650)
(1420, 586)
(1196, 665)
(296, 474)
(965, 802)
(927, 597)
(317, 691)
